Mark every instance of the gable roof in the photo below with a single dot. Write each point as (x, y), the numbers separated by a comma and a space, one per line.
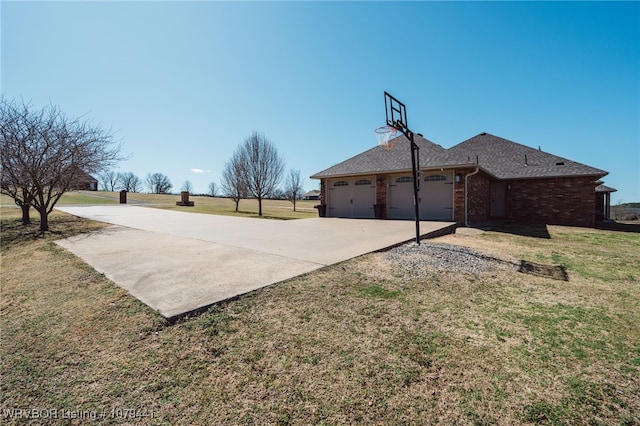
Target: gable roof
(380, 160)
(505, 159)
(499, 157)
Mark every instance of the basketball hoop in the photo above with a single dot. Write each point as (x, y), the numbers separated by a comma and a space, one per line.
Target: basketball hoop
(387, 136)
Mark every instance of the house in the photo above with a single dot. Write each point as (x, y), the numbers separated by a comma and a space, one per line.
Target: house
(485, 177)
(85, 182)
(314, 194)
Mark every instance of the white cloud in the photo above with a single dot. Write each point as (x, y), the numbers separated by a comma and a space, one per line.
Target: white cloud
(196, 171)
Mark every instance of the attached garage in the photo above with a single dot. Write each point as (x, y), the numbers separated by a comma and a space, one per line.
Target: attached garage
(351, 198)
(435, 196)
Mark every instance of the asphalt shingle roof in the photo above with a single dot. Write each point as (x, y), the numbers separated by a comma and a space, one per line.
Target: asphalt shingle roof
(380, 160)
(605, 188)
(499, 157)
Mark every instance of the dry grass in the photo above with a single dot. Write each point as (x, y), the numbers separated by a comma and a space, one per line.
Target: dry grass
(347, 344)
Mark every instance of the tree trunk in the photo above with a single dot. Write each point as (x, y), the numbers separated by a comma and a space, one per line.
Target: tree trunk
(26, 219)
(237, 202)
(260, 207)
(44, 219)
(294, 204)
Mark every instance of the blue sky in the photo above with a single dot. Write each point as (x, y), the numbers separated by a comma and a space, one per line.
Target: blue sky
(183, 83)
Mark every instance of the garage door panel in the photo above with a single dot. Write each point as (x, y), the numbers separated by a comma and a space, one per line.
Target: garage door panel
(364, 197)
(339, 198)
(352, 198)
(400, 197)
(436, 190)
(435, 196)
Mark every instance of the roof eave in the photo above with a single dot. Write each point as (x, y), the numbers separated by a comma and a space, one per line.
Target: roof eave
(594, 175)
(392, 171)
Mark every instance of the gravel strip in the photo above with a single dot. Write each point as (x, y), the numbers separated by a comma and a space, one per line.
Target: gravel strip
(422, 261)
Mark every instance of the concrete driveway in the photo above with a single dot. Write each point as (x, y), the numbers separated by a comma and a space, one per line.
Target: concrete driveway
(179, 262)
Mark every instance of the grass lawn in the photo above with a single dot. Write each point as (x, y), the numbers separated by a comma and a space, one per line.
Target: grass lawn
(354, 343)
(271, 209)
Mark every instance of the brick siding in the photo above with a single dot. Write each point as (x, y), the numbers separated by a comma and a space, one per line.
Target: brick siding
(554, 201)
(381, 193)
(479, 197)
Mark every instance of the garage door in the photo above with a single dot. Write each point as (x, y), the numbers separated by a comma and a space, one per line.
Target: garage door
(400, 197)
(435, 197)
(353, 198)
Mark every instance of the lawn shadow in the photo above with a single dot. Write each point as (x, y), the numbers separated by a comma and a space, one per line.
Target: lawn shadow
(514, 228)
(618, 226)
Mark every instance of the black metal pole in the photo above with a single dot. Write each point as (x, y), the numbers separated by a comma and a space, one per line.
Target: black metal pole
(414, 170)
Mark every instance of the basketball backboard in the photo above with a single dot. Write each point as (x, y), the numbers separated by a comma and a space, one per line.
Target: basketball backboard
(396, 113)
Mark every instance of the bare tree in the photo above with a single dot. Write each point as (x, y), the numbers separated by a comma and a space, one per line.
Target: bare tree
(187, 186)
(109, 180)
(129, 182)
(45, 154)
(158, 183)
(293, 187)
(263, 165)
(212, 189)
(17, 129)
(233, 178)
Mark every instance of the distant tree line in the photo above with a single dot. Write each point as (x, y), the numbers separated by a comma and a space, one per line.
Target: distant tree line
(255, 170)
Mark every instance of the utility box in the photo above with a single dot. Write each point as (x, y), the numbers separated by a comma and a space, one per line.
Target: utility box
(123, 197)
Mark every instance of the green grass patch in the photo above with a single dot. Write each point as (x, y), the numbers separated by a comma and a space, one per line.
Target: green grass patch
(377, 292)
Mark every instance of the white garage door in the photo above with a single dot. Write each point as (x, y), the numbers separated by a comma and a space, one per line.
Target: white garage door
(353, 198)
(435, 196)
(401, 197)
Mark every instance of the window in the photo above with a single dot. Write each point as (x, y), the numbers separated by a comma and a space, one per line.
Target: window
(363, 182)
(404, 179)
(341, 183)
(435, 178)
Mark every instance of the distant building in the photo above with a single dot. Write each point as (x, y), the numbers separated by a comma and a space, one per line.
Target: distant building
(314, 194)
(86, 182)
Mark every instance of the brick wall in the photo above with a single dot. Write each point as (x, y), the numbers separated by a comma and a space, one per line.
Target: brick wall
(381, 193)
(323, 191)
(557, 201)
(479, 198)
(458, 196)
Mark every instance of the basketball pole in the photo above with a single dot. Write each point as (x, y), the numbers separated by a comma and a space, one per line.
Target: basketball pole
(414, 170)
(396, 114)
